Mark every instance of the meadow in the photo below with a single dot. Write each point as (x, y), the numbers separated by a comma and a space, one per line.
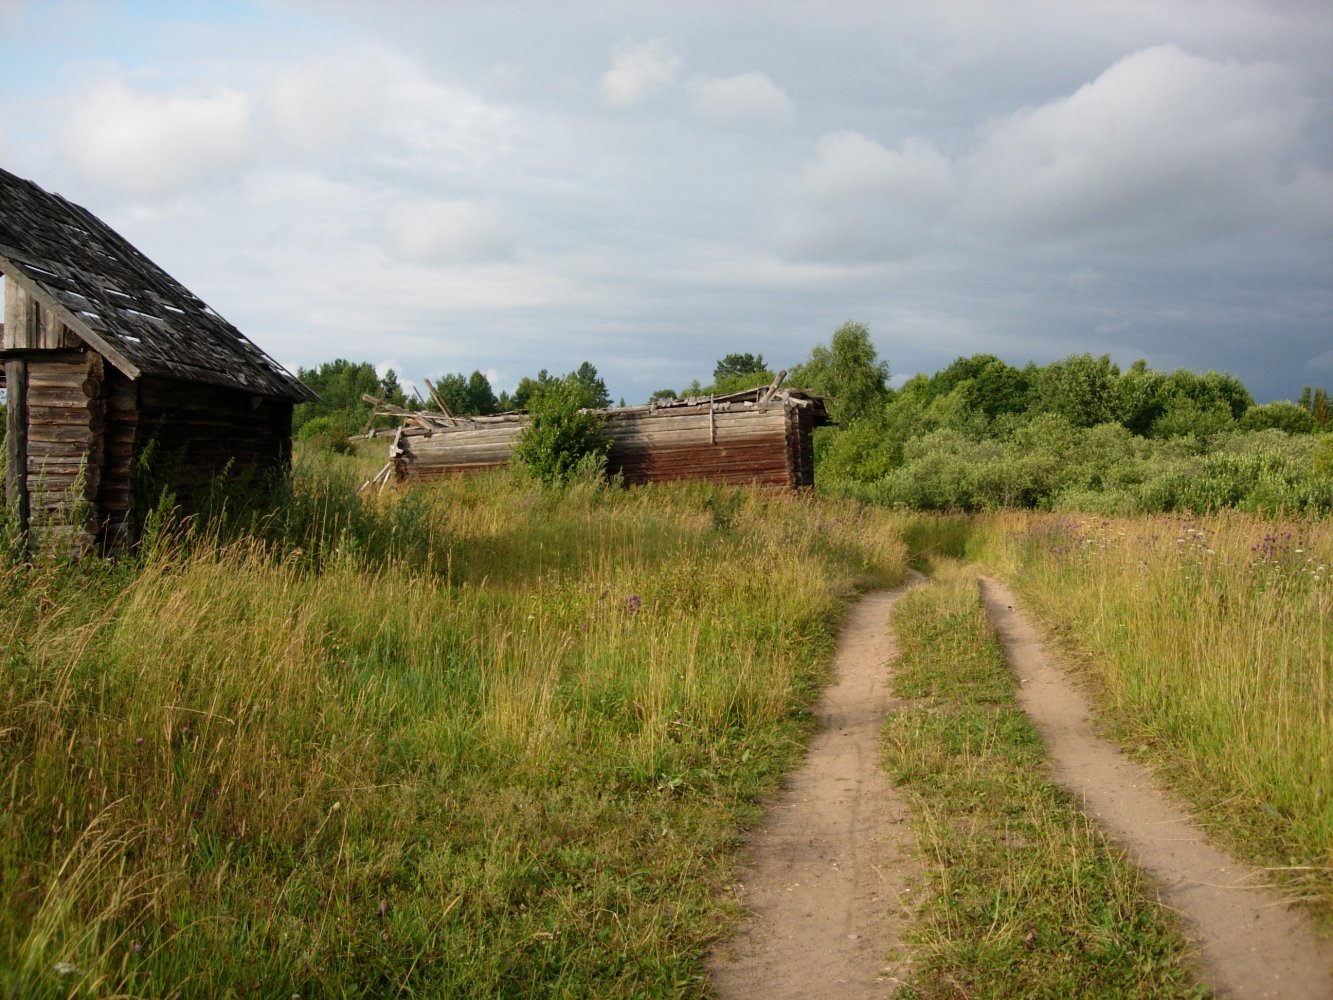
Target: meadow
(486, 738)
(479, 740)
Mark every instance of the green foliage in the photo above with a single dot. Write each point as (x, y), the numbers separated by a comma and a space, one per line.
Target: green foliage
(985, 384)
(661, 394)
(563, 439)
(861, 452)
(328, 432)
(739, 365)
(1076, 435)
(1081, 388)
(848, 372)
(1315, 399)
(467, 396)
(589, 387)
(1281, 415)
(593, 386)
(340, 384)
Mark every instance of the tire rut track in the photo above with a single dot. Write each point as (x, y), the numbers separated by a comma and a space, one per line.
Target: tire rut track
(1253, 944)
(831, 861)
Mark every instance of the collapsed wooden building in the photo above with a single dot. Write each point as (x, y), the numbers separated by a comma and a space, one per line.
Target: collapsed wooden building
(762, 436)
(108, 362)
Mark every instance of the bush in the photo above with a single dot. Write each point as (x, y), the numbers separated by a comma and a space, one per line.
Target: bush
(563, 440)
(1281, 415)
(328, 433)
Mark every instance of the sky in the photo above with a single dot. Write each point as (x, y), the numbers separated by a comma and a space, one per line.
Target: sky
(514, 186)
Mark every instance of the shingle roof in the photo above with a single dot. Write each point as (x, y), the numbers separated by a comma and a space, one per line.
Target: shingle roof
(120, 302)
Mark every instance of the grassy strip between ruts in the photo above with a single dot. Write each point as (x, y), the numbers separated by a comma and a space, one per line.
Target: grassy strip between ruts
(1023, 895)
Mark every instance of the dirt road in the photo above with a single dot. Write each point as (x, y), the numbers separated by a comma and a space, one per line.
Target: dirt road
(828, 884)
(831, 863)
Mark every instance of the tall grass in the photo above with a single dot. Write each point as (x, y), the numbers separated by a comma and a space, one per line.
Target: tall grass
(480, 739)
(1210, 642)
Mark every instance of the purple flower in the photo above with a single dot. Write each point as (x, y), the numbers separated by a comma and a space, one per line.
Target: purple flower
(633, 603)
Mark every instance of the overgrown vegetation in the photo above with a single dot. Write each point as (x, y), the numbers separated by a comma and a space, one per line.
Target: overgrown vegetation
(563, 438)
(1076, 435)
(482, 739)
(1024, 896)
(340, 411)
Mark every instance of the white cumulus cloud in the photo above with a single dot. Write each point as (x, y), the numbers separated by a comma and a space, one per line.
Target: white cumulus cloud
(860, 201)
(747, 96)
(637, 70)
(152, 144)
(1162, 143)
(447, 231)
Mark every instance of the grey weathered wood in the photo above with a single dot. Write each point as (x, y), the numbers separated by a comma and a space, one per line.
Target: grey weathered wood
(16, 439)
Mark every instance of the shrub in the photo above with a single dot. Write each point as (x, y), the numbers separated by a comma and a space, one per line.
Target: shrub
(328, 433)
(563, 439)
(1281, 415)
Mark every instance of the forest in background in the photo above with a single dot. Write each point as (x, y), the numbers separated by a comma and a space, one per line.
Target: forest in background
(981, 434)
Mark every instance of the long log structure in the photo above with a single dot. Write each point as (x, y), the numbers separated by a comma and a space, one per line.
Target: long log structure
(760, 436)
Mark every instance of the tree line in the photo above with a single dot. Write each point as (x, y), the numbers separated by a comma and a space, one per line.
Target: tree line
(1078, 433)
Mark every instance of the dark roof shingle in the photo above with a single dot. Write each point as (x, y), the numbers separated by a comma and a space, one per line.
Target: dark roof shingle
(122, 303)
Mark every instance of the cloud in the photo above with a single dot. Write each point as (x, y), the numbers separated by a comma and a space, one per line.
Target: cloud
(746, 97)
(1163, 145)
(148, 144)
(321, 105)
(442, 231)
(372, 96)
(859, 201)
(637, 70)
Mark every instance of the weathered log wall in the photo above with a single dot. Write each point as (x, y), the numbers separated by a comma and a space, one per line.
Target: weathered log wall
(730, 446)
(76, 427)
(460, 450)
(66, 415)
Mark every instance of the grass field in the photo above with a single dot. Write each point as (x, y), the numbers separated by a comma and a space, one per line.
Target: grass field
(485, 739)
(480, 740)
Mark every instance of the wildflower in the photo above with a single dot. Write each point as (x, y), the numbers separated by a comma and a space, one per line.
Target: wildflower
(136, 947)
(633, 603)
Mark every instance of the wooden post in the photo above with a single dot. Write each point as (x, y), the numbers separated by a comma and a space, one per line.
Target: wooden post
(16, 440)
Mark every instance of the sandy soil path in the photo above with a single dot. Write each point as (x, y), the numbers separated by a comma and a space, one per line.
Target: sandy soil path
(1252, 944)
(829, 866)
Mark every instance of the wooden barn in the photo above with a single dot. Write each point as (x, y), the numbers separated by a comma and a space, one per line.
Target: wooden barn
(111, 368)
(761, 436)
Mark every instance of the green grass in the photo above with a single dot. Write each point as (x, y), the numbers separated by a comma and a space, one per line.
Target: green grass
(480, 739)
(1207, 644)
(1022, 895)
